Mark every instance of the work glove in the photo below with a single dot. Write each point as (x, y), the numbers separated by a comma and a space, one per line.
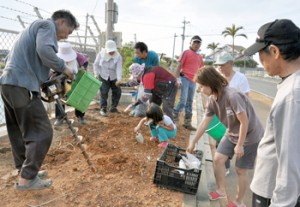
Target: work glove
(120, 84)
(179, 83)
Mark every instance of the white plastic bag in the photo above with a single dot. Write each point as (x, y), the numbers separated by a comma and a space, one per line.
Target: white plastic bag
(139, 137)
(181, 165)
(191, 161)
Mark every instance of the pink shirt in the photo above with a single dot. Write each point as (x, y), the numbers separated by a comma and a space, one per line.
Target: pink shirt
(190, 63)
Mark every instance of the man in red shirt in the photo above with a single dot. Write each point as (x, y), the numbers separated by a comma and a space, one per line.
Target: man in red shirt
(188, 64)
(160, 86)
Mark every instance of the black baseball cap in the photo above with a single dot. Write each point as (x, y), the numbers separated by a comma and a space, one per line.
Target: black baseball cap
(278, 32)
(196, 38)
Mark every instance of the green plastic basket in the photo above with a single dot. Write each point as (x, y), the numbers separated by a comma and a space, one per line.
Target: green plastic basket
(83, 90)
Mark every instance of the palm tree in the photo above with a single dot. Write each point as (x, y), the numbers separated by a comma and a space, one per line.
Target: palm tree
(213, 46)
(233, 32)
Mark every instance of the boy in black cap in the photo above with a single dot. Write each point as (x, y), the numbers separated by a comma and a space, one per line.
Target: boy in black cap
(189, 62)
(276, 180)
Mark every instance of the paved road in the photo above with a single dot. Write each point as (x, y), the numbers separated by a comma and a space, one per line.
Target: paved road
(263, 86)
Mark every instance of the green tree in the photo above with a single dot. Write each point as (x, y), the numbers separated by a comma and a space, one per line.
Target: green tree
(213, 46)
(246, 63)
(233, 32)
(127, 54)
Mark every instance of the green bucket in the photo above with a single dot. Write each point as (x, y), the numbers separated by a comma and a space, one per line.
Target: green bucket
(216, 129)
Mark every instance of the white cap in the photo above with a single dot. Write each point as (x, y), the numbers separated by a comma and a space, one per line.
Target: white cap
(110, 46)
(66, 52)
(223, 58)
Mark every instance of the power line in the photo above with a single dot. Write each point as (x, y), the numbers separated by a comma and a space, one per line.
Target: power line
(23, 2)
(11, 9)
(156, 25)
(11, 19)
(95, 6)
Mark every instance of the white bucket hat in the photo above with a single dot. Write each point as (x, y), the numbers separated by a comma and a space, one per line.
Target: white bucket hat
(110, 46)
(223, 58)
(66, 52)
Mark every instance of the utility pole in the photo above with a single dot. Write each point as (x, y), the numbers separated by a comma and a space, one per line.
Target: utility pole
(183, 33)
(109, 19)
(173, 49)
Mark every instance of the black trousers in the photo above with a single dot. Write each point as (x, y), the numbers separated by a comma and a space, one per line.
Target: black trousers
(167, 102)
(29, 129)
(115, 93)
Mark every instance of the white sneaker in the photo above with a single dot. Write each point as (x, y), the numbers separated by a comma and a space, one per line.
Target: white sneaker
(103, 112)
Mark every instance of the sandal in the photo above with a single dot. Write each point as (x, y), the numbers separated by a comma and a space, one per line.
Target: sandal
(35, 184)
(233, 204)
(215, 196)
(42, 174)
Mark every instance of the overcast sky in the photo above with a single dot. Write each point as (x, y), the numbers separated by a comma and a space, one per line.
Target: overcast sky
(156, 21)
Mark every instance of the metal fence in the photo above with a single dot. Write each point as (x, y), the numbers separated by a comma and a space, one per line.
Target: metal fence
(256, 72)
(7, 38)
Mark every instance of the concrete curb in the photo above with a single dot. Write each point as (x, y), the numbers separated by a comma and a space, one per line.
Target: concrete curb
(207, 179)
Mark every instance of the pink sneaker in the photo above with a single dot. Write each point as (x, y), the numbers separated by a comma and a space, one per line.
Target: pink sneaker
(154, 139)
(163, 144)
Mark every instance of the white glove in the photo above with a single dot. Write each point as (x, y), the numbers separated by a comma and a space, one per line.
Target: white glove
(179, 82)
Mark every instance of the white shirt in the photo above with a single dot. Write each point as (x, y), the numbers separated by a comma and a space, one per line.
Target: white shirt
(240, 82)
(73, 65)
(168, 121)
(108, 66)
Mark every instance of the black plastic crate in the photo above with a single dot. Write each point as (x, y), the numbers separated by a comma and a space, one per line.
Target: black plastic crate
(167, 172)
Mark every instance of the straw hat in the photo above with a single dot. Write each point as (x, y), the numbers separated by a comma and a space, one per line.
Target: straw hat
(66, 52)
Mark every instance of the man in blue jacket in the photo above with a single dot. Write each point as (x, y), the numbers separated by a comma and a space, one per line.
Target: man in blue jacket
(27, 67)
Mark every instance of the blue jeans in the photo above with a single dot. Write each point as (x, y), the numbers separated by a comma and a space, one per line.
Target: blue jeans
(162, 133)
(187, 91)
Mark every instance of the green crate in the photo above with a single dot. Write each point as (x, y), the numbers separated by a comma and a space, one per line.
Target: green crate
(83, 90)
